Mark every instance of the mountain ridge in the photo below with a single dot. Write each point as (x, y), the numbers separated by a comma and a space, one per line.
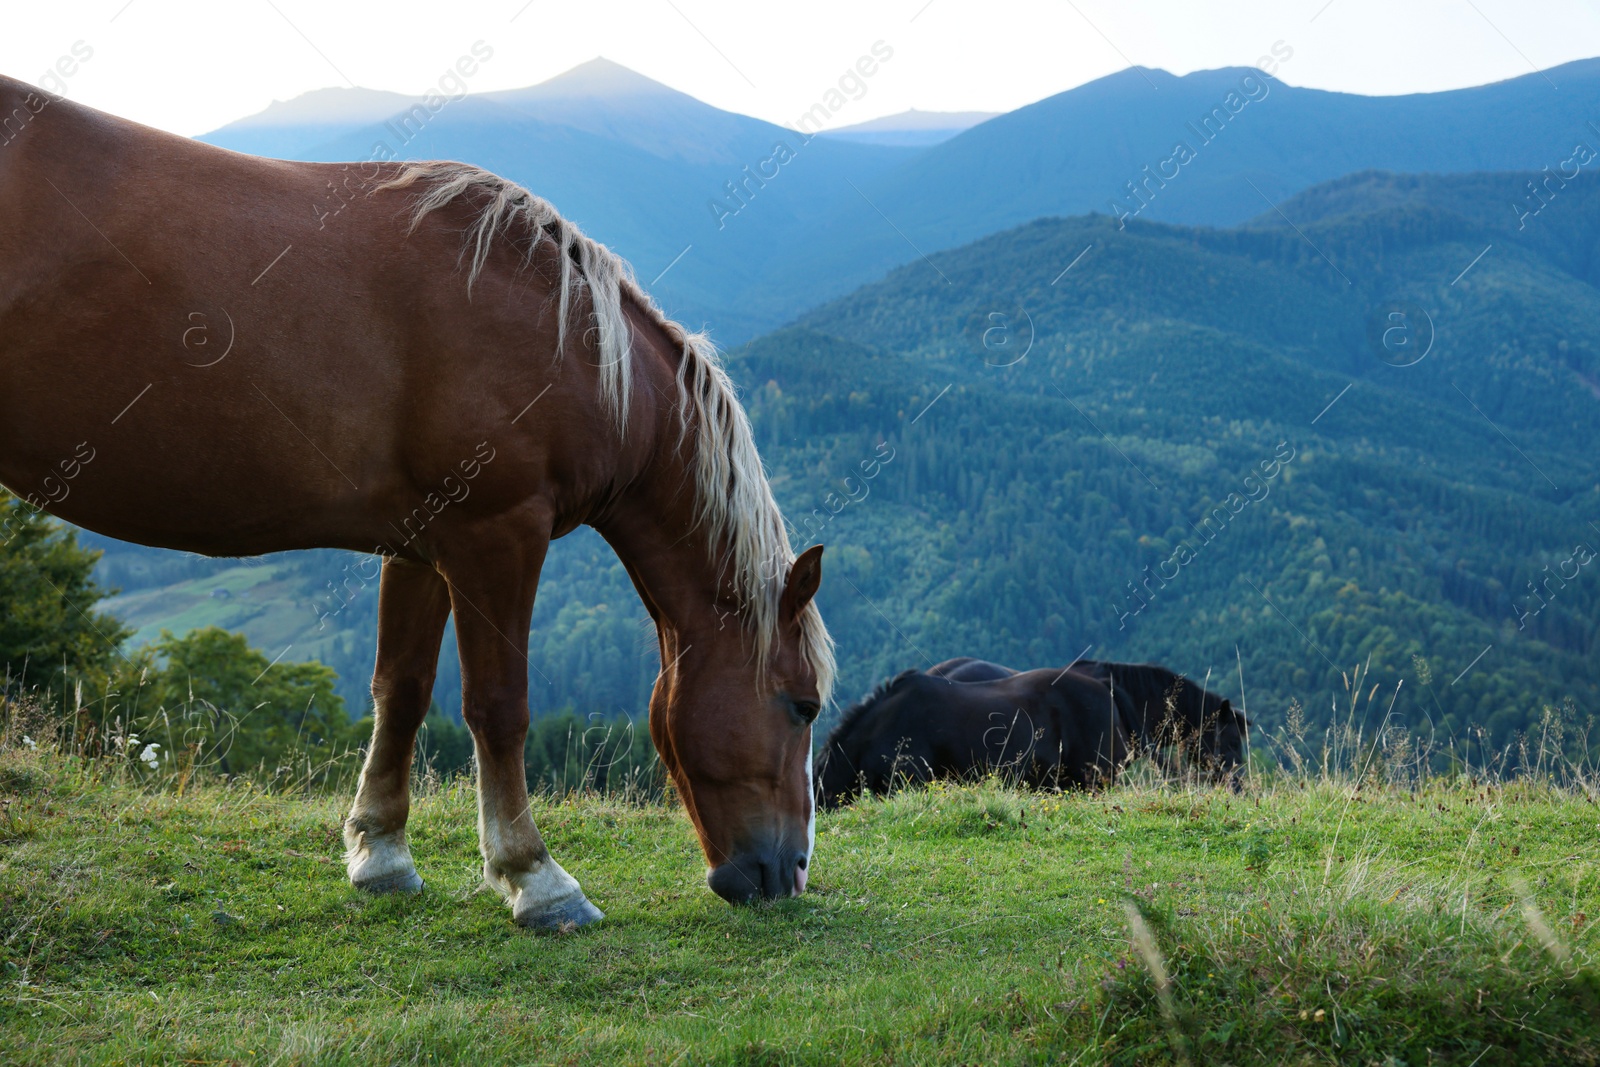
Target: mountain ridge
(667, 180)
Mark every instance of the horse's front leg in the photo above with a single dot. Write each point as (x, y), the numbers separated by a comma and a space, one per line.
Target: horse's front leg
(492, 578)
(413, 604)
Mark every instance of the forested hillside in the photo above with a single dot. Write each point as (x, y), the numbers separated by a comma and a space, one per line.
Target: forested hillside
(1211, 448)
(1443, 507)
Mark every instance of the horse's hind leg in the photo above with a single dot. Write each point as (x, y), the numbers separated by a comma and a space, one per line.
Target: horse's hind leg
(491, 591)
(413, 604)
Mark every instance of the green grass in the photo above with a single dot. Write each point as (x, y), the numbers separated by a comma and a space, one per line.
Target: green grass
(1297, 923)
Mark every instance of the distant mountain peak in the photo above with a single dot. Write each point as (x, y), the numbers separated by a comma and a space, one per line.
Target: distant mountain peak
(599, 77)
(604, 98)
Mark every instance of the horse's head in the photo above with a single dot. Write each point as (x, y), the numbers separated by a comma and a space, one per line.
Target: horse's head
(734, 730)
(1211, 729)
(1227, 730)
(838, 772)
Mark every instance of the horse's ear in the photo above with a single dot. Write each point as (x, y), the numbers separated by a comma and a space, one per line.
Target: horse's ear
(805, 575)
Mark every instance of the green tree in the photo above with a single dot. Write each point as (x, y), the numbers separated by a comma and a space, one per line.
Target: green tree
(50, 634)
(208, 696)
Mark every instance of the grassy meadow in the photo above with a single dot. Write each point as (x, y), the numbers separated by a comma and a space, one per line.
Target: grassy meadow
(1301, 921)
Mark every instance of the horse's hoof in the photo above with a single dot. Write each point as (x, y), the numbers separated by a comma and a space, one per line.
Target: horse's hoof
(563, 918)
(404, 881)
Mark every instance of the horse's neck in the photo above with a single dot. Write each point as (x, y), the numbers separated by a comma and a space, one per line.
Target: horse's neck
(1147, 697)
(651, 525)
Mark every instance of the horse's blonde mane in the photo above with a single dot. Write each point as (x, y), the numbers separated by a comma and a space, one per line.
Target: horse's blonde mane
(732, 497)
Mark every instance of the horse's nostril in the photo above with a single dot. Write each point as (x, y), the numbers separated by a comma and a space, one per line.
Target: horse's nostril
(802, 863)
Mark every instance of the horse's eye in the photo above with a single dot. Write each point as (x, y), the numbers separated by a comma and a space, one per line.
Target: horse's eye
(808, 710)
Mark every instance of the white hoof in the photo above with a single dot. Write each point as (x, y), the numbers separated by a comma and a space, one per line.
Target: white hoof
(547, 898)
(380, 863)
(562, 919)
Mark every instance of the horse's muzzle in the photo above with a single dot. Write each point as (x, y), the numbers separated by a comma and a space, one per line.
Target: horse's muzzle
(760, 875)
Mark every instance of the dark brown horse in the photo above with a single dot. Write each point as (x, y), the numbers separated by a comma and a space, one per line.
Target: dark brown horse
(1057, 729)
(263, 355)
(1164, 713)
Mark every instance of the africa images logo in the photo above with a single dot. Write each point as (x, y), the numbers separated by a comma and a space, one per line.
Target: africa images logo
(1400, 333)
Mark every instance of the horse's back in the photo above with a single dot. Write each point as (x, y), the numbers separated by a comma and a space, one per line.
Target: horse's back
(288, 365)
(1044, 726)
(969, 669)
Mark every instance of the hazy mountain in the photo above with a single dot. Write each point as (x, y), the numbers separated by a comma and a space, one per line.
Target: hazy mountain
(913, 128)
(608, 100)
(287, 128)
(659, 175)
(1088, 148)
(649, 170)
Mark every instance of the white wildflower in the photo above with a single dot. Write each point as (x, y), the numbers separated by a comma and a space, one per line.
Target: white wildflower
(150, 756)
(29, 742)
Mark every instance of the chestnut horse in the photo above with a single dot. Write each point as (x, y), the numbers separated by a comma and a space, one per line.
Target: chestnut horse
(260, 355)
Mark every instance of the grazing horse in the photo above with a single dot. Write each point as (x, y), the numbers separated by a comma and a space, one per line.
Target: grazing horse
(1042, 728)
(1160, 709)
(213, 352)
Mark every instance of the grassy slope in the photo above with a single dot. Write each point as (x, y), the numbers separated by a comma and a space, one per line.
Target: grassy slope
(258, 597)
(960, 925)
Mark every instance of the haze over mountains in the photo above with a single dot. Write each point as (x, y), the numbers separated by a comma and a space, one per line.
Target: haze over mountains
(653, 172)
(1069, 401)
(912, 128)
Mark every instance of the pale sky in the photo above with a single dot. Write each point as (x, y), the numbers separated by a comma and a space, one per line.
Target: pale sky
(192, 65)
